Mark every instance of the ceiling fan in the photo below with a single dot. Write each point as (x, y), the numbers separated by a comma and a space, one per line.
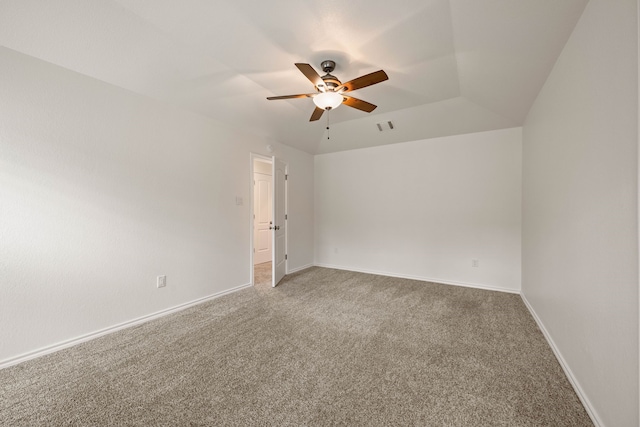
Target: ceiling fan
(331, 92)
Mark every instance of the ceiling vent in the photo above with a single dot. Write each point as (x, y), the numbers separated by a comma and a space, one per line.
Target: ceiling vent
(382, 126)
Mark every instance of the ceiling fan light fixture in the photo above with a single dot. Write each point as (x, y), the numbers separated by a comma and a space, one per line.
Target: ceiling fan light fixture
(330, 91)
(328, 100)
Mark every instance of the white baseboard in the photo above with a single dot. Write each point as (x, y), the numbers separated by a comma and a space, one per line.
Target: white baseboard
(422, 279)
(565, 367)
(93, 335)
(295, 270)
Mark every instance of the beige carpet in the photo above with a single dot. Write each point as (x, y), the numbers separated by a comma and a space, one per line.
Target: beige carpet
(326, 347)
(262, 275)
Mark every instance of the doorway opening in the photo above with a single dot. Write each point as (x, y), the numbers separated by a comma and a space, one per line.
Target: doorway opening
(269, 217)
(262, 222)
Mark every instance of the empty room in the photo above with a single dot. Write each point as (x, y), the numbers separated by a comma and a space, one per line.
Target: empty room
(362, 213)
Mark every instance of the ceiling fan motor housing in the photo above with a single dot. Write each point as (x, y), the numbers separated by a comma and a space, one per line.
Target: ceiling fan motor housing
(330, 82)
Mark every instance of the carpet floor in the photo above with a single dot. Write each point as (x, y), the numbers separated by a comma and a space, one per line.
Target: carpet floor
(325, 347)
(262, 275)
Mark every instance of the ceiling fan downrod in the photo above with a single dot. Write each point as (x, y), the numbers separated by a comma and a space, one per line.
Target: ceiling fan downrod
(328, 66)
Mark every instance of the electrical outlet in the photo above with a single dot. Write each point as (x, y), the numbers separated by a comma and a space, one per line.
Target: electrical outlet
(162, 281)
(475, 263)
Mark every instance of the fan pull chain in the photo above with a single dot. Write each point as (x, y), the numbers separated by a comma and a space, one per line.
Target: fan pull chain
(328, 112)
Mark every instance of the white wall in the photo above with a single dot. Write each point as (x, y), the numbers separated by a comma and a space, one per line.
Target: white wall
(424, 209)
(580, 231)
(101, 190)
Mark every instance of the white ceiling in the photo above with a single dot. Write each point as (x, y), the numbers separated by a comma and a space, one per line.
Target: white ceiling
(454, 66)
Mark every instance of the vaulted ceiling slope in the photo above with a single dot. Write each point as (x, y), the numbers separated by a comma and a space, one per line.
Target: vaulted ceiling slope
(454, 66)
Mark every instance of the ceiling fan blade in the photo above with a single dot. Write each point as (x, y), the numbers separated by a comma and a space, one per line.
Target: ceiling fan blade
(317, 113)
(310, 73)
(358, 103)
(305, 95)
(363, 81)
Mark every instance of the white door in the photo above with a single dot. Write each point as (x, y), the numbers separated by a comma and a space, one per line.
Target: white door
(262, 211)
(279, 228)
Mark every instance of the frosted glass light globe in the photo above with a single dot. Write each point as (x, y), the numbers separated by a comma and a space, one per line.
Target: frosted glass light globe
(328, 100)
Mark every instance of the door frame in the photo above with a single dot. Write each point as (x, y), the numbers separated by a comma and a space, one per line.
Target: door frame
(268, 159)
(253, 158)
